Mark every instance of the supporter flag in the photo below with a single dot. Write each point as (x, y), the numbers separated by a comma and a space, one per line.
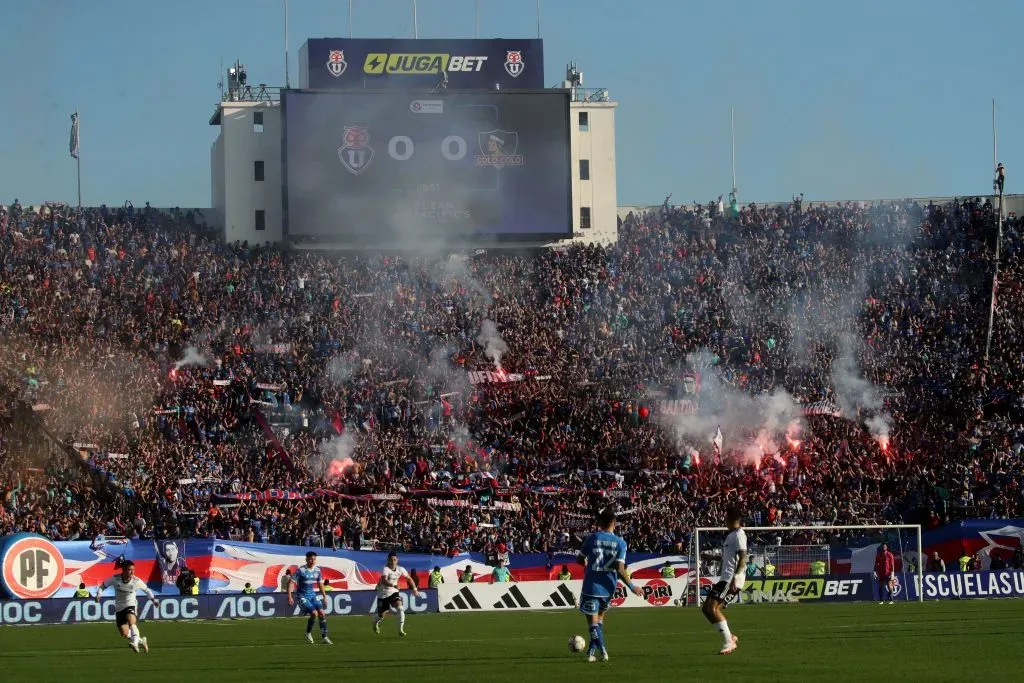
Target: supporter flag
(717, 440)
(170, 558)
(822, 408)
(74, 135)
(337, 423)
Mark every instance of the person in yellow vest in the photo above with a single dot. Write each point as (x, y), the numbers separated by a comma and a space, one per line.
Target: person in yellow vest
(817, 568)
(965, 562)
(327, 586)
(668, 571)
(434, 578)
(248, 590)
(82, 592)
(195, 587)
(467, 575)
(565, 574)
(769, 568)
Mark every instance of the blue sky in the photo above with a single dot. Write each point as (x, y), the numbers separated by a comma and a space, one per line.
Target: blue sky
(835, 99)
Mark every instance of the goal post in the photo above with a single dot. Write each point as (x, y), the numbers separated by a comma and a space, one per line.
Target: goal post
(794, 563)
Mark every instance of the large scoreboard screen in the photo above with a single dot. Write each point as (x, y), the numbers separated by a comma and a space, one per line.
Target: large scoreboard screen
(372, 166)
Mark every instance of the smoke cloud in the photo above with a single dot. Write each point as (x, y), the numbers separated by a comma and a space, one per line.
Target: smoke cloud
(753, 425)
(192, 357)
(334, 460)
(494, 346)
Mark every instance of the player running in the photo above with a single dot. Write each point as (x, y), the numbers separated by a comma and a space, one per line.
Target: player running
(125, 586)
(885, 571)
(388, 595)
(604, 556)
(734, 562)
(305, 582)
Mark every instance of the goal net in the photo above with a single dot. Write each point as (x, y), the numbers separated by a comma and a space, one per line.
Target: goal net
(812, 563)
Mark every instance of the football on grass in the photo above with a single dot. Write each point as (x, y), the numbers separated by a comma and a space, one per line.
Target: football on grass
(576, 644)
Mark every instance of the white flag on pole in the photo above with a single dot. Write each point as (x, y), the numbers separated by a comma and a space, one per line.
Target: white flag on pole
(74, 135)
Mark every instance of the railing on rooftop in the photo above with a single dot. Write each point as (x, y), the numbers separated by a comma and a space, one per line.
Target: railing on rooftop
(260, 92)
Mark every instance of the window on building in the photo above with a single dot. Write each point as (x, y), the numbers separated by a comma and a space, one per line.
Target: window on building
(261, 220)
(584, 121)
(257, 122)
(584, 169)
(257, 171)
(584, 217)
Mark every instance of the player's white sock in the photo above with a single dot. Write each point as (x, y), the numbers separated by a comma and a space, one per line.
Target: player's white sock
(401, 619)
(723, 628)
(133, 633)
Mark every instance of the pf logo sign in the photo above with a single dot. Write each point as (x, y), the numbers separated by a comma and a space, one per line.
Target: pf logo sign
(33, 568)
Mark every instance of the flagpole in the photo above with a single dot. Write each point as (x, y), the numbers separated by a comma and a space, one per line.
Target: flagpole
(349, 18)
(994, 160)
(999, 245)
(415, 21)
(732, 126)
(477, 18)
(78, 158)
(538, 18)
(287, 81)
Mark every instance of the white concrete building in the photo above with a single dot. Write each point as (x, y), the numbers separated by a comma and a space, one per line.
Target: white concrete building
(247, 184)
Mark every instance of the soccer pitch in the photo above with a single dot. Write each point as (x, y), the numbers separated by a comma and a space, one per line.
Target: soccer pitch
(939, 641)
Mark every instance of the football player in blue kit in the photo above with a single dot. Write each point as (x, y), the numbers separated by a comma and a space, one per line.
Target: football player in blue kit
(306, 581)
(604, 555)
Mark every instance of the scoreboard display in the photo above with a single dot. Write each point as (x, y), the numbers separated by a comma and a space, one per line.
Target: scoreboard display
(380, 167)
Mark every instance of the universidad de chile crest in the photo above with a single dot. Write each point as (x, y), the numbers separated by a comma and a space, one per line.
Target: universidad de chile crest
(514, 63)
(336, 63)
(356, 154)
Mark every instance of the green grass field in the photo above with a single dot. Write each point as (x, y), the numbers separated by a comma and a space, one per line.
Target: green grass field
(943, 641)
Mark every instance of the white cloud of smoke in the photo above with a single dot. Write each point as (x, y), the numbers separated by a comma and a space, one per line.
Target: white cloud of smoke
(494, 346)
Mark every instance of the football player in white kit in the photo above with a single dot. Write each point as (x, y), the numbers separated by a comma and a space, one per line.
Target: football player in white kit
(388, 595)
(734, 564)
(125, 586)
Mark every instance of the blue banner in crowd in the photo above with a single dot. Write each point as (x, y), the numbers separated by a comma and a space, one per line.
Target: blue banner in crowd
(174, 608)
(1005, 583)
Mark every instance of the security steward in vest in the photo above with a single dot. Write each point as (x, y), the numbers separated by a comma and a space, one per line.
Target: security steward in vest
(818, 568)
(965, 562)
(668, 571)
(769, 569)
(248, 590)
(434, 579)
(565, 574)
(82, 592)
(467, 575)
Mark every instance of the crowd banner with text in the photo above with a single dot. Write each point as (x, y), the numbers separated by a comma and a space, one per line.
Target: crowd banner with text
(175, 608)
(1004, 583)
(541, 595)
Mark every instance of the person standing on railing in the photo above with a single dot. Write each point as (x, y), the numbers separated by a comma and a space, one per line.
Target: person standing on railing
(1000, 179)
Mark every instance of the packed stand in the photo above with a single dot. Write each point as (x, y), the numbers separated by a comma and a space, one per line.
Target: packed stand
(202, 380)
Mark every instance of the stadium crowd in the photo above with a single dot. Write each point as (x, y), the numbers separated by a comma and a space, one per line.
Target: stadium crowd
(448, 402)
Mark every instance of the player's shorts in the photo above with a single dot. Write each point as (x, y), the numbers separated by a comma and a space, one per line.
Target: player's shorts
(592, 606)
(720, 591)
(121, 618)
(385, 604)
(310, 603)
(886, 580)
